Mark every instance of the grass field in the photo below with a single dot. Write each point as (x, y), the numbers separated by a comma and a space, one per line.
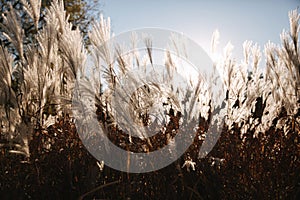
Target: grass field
(43, 157)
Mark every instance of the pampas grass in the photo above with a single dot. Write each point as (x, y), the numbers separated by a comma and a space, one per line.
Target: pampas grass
(37, 88)
(46, 71)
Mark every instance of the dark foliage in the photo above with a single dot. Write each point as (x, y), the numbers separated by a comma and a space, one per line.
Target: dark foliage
(266, 167)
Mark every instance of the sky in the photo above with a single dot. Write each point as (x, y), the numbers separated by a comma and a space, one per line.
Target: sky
(236, 20)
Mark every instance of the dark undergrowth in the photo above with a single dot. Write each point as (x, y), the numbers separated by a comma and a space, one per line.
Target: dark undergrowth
(266, 167)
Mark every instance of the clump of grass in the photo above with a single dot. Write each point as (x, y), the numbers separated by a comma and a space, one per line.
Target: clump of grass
(257, 155)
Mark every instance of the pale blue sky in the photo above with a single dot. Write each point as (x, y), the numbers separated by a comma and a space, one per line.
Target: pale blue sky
(237, 21)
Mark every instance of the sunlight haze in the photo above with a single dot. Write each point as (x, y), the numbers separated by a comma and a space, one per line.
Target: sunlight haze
(236, 21)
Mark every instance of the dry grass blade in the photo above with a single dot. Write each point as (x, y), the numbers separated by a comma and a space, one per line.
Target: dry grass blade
(33, 10)
(13, 30)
